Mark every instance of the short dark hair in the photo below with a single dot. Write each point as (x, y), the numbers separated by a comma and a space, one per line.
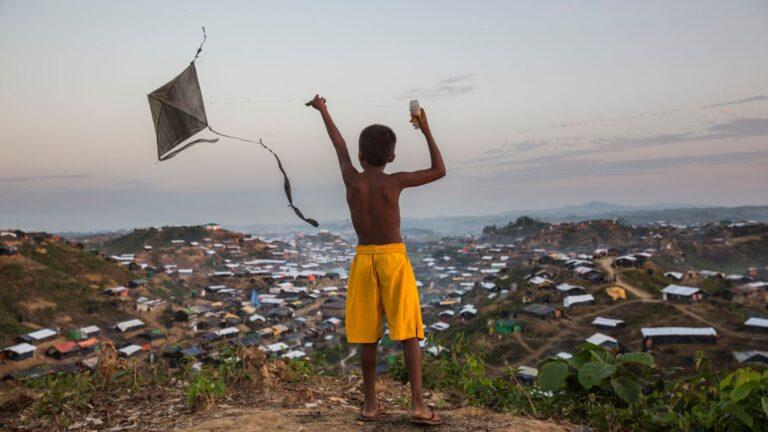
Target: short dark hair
(377, 144)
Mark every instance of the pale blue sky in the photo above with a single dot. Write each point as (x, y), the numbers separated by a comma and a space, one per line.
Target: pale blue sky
(534, 104)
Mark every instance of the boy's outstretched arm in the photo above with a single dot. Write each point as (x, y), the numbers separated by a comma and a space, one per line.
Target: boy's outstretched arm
(345, 163)
(437, 169)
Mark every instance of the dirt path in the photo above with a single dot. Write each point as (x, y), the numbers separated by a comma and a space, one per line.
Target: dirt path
(343, 420)
(343, 361)
(605, 263)
(648, 298)
(538, 352)
(519, 338)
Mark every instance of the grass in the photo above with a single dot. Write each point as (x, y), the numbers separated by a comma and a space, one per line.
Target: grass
(55, 283)
(651, 283)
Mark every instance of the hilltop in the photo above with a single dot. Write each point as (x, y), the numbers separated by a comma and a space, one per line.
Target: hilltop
(136, 240)
(50, 281)
(722, 247)
(470, 224)
(585, 236)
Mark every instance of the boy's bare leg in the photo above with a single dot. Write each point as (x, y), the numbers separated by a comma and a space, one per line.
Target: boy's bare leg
(368, 361)
(412, 352)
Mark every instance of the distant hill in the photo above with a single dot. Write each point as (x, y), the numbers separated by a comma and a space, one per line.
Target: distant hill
(582, 236)
(524, 226)
(594, 210)
(719, 248)
(157, 237)
(53, 282)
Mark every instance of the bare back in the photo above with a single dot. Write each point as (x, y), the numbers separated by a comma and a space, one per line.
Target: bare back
(374, 205)
(373, 196)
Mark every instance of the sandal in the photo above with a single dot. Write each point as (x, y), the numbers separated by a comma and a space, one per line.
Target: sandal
(379, 412)
(431, 421)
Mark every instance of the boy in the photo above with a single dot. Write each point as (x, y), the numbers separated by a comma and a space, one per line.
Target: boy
(381, 280)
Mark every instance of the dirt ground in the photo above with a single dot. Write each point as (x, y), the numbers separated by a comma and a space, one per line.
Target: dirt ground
(342, 419)
(326, 404)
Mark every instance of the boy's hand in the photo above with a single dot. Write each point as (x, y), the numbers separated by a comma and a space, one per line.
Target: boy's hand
(420, 121)
(317, 103)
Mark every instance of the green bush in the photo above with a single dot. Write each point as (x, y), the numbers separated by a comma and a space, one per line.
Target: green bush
(597, 371)
(602, 389)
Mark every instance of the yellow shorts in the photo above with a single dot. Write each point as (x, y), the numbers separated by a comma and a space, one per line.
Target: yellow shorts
(381, 281)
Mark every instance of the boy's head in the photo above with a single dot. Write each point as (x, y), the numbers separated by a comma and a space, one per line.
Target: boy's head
(377, 145)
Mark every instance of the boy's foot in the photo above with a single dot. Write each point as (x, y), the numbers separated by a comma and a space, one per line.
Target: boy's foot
(367, 416)
(425, 417)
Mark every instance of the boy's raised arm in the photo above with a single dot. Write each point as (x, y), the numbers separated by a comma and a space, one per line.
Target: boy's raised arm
(437, 169)
(345, 163)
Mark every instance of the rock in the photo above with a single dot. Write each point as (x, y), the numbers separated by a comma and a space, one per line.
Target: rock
(310, 405)
(94, 421)
(76, 426)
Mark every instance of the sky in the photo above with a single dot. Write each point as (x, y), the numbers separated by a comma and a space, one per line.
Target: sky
(534, 104)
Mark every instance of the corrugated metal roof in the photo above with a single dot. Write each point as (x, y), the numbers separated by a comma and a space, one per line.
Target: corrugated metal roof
(599, 339)
(757, 322)
(678, 331)
(680, 290)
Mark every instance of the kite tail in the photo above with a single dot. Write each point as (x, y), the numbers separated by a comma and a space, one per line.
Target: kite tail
(286, 182)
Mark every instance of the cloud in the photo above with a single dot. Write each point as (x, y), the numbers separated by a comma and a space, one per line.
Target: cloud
(603, 120)
(736, 128)
(445, 88)
(23, 179)
(737, 102)
(569, 168)
(134, 184)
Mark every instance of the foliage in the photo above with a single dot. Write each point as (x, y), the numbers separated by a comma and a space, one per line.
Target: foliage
(603, 389)
(205, 388)
(524, 226)
(63, 393)
(737, 402)
(596, 371)
(651, 283)
(298, 370)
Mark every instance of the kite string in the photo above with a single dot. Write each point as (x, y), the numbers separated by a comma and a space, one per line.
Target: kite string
(259, 142)
(200, 49)
(252, 101)
(286, 181)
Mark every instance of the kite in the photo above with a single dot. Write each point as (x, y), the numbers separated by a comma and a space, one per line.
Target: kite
(178, 113)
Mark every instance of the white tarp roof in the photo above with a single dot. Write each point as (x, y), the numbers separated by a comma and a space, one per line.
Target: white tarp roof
(678, 331)
(757, 322)
(333, 320)
(440, 326)
(41, 334)
(21, 348)
(743, 356)
(278, 346)
(130, 349)
(584, 270)
(295, 354)
(90, 329)
(571, 300)
(599, 338)
(256, 317)
(127, 325)
(538, 280)
(608, 322)
(627, 257)
(565, 287)
(527, 371)
(227, 331)
(680, 290)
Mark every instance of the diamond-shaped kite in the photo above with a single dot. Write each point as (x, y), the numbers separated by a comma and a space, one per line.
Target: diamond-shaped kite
(178, 113)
